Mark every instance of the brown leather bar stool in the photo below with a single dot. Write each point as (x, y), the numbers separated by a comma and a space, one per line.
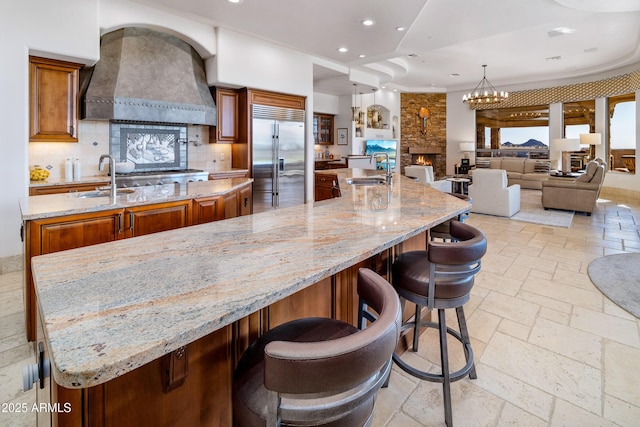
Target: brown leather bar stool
(441, 231)
(440, 278)
(318, 371)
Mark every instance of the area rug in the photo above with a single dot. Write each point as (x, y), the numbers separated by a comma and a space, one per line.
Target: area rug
(531, 210)
(618, 277)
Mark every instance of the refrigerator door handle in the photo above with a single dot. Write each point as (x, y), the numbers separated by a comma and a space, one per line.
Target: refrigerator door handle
(274, 165)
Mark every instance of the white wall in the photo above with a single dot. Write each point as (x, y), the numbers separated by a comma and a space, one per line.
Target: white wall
(461, 127)
(65, 29)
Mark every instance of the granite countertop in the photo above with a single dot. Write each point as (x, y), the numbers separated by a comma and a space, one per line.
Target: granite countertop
(53, 205)
(110, 308)
(61, 181)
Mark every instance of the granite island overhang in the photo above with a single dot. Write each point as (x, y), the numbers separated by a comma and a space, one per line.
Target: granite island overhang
(110, 308)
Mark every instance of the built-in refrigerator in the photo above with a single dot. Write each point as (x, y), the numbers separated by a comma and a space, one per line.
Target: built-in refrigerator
(277, 136)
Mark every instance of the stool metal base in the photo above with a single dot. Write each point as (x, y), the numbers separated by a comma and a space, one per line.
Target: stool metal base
(446, 377)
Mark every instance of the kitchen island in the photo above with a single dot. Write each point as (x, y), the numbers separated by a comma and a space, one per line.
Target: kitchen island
(158, 321)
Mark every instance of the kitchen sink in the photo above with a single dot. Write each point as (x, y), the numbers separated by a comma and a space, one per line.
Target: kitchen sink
(369, 180)
(105, 193)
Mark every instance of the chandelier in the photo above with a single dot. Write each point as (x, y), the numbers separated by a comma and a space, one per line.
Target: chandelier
(484, 93)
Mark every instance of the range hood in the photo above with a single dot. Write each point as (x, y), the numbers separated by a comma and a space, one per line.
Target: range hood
(147, 76)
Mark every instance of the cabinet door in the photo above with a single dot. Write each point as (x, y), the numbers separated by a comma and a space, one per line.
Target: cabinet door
(153, 219)
(227, 103)
(231, 205)
(75, 233)
(53, 100)
(208, 209)
(326, 187)
(245, 199)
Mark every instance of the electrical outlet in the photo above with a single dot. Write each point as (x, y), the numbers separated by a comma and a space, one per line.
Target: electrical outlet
(221, 156)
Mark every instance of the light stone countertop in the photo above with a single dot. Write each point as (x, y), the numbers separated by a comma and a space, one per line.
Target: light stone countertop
(110, 308)
(53, 205)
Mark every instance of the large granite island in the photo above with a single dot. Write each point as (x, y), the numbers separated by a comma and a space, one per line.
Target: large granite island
(148, 329)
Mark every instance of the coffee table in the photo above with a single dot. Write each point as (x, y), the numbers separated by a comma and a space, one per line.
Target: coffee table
(459, 185)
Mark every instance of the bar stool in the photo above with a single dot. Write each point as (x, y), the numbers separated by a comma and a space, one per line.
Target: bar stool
(440, 278)
(318, 371)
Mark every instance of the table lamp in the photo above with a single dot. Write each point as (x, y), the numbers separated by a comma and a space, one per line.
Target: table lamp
(466, 148)
(566, 146)
(591, 139)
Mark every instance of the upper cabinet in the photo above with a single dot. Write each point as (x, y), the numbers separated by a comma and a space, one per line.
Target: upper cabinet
(227, 104)
(53, 100)
(323, 129)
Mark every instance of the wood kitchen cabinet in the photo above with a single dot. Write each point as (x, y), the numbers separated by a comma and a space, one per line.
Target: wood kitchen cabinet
(227, 129)
(326, 186)
(208, 209)
(53, 100)
(323, 129)
(142, 220)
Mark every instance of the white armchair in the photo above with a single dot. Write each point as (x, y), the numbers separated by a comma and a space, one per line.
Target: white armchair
(491, 194)
(424, 175)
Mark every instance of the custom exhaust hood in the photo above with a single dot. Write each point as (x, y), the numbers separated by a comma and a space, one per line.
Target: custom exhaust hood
(147, 76)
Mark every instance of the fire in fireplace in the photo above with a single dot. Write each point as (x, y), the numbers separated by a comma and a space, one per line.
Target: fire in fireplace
(423, 159)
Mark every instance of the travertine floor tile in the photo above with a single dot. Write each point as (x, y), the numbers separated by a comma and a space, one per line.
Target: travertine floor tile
(514, 416)
(603, 325)
(548, 371)
(566, 414)
(516, 392)
(620, 412)
(621, 379)
(511, 308)
(567, 341)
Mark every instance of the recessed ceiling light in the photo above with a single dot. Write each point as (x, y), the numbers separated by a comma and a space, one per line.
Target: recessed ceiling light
(454, 75)
(368, 22)
(400, 28)
(412, 55)
(342, 49)
(362, 55)
(554, 58)
(235, 1)
(591, 50)
(561, 31)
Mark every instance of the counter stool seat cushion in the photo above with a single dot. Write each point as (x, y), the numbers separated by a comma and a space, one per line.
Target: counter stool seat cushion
(412, 270)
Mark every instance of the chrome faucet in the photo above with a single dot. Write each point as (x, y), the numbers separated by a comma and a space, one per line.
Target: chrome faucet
(112, 171)
(389, 171)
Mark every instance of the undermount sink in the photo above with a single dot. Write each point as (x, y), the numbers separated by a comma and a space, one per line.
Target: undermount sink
(105, 193)
(369, 180)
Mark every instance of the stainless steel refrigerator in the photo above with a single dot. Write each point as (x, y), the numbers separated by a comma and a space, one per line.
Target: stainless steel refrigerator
(277, 136)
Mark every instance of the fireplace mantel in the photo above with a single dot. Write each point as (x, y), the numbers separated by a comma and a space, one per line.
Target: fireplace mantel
(424, 150)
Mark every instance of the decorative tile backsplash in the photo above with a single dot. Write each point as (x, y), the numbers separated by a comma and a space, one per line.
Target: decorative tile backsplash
(149, 147)
(94, 141)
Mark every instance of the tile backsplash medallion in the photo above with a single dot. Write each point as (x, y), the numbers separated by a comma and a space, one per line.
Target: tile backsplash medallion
(94, 141)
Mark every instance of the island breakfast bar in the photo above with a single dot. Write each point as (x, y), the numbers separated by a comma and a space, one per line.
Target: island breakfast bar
(149, 329)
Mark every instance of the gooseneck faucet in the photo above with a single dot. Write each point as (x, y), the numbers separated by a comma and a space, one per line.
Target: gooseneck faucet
(386, 156)
(112, 171)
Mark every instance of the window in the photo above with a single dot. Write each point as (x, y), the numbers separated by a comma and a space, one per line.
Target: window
(513, 132)
(622, 133)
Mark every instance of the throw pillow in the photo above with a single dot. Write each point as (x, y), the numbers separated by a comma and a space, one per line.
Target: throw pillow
(482, 163)
(542, 167)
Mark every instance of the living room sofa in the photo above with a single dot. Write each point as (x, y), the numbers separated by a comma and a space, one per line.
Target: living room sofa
(579, 194)
(525, 172)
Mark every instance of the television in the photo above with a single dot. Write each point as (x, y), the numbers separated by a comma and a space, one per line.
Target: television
(389, 146)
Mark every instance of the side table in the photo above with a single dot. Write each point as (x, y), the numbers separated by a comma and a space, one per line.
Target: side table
(459, 185)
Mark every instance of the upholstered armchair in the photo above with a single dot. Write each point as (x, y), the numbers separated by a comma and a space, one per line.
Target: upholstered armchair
(424, 175)
(579, 194)
(492, 195)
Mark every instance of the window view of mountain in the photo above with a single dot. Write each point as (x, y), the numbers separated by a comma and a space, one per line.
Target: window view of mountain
(531, 143)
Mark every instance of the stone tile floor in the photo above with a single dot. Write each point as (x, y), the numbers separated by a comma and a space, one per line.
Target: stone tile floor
(550, 349)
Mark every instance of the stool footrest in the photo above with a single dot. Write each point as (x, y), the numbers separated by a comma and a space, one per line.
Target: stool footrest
(438, 378)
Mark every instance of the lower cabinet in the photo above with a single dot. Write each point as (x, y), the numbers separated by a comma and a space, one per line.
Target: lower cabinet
(231, 205)
(326, 186)
(155, 218)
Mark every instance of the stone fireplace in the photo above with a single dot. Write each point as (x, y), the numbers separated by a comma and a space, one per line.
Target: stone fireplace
(424, 139)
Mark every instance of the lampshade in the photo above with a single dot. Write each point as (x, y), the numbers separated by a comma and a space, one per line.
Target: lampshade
(590, 138)
(566, 144)
(467, 146)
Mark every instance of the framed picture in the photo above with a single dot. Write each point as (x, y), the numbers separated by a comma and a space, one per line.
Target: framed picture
(343, 136)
